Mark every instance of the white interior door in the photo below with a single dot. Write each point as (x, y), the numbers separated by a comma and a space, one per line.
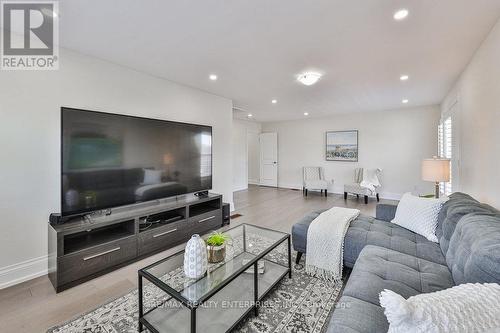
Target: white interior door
(269, 159)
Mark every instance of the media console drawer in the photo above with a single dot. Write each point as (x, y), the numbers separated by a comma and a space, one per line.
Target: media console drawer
(207, 221)
(83, 263)
(162, 237)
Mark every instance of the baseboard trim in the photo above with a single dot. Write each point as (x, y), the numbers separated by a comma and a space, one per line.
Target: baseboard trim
(242, 188)
(253, 182)
(23, 271)
(340, 190)
(290, 186)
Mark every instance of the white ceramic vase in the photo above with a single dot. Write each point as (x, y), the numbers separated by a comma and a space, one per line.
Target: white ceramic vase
(195, 258)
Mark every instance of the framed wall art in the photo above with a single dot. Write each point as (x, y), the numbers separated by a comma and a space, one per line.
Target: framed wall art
(342, 146)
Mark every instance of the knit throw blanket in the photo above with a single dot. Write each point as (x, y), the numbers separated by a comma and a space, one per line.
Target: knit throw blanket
(325, 243)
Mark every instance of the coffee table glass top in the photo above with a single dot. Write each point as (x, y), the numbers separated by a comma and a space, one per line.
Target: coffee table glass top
(248, 244)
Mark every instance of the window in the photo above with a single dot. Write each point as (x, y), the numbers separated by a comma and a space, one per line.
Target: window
(449, 141)
(445, 142)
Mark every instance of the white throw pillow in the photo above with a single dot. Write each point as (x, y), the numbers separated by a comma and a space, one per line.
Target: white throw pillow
(419, 215)
(152, 177)
(471, 307)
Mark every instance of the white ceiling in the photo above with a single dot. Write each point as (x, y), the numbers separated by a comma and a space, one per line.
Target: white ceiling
(257, 47)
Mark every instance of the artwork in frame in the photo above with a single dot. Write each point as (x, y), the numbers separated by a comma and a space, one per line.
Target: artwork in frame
(342, 146)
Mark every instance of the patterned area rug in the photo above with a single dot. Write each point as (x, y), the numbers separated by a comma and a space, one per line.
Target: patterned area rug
(300, 304)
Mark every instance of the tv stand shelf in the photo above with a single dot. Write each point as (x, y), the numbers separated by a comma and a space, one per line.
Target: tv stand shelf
(84, 248)
(98, 236)
(204, 207)
(158, 220)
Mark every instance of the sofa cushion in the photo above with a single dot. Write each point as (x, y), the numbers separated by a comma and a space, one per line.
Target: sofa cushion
(452, 199)
(469, 307)
(376, 269)
(419, 215)
(366, 230)
(458, 205)
(386, 212)
(354, 315)
(474, 251)
(299, 230)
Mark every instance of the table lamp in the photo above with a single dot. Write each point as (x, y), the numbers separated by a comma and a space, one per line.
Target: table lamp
(436, 170)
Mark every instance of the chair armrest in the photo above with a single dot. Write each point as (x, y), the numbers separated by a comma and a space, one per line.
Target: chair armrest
(386, 212)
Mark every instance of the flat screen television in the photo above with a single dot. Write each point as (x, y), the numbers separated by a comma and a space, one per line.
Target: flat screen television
(110, 160)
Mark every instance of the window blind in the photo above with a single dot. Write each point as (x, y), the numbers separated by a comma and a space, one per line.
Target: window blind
(445, 142)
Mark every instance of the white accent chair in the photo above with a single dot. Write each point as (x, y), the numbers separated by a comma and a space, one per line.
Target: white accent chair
(314, 179)
(356, 188)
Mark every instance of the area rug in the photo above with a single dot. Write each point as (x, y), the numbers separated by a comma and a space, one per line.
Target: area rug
(300, 304)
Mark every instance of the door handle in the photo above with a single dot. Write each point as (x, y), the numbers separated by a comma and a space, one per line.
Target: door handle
(206, 219)
(101, 254)
(164, 233)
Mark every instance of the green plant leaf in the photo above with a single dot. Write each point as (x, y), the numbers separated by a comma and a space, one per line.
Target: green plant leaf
(217, 239)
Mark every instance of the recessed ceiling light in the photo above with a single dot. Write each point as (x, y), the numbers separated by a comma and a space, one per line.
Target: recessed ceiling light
(274, 101)
(213, 77)
(404, 77)
(401, 14)
(404, 101)
(306, 113)
(309, 78)
(250, 115)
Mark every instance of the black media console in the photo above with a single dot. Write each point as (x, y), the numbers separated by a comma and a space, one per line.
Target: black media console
(84, 248)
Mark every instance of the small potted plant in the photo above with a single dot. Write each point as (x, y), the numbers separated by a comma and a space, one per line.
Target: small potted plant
(216, 246)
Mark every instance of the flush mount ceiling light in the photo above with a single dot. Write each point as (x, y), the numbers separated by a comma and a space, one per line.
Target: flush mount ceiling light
(250, 115)
(401, 14)
(404, 77)
(274, 101)
(309, 78)
(213, 77)
(306, 113)
(405, 101)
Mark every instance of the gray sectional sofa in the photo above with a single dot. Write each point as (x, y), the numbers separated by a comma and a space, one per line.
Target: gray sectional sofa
(383, 255)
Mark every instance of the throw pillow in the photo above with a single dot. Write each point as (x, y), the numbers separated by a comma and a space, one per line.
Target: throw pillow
(152, 177)
(471, 307)
(419, 215)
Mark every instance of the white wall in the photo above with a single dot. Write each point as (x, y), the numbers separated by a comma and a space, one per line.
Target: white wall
(30, 104)
(246, 163)
(478, 94)
(395, 141)
(253, 156)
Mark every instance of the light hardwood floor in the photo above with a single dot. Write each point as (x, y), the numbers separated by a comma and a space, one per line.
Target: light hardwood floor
(33, 306)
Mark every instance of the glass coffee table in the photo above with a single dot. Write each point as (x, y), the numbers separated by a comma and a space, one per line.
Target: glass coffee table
(256, 260)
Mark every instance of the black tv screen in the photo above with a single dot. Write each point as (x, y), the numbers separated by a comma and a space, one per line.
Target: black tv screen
(110, 160)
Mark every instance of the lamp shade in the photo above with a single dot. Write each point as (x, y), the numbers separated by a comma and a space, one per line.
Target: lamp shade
(436, 170)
